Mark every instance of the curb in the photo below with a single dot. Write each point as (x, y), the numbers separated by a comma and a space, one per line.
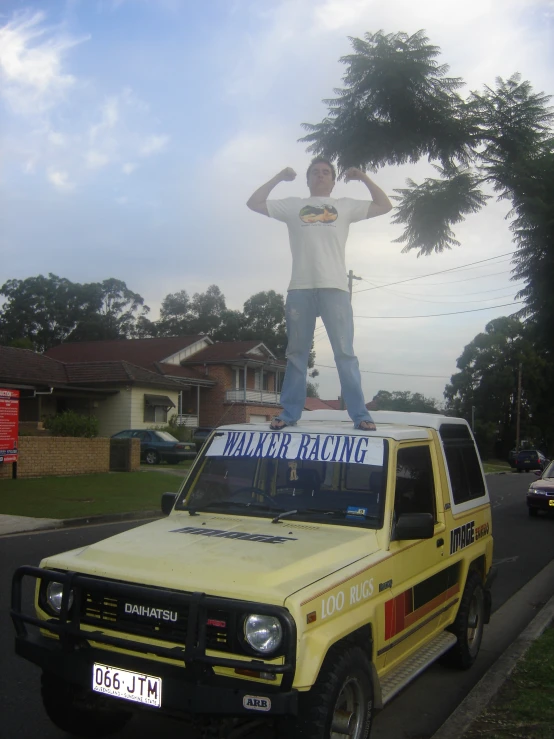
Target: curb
(477, 700)
(37, 525)
(108, 518)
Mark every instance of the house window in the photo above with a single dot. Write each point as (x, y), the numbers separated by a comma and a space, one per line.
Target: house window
(261, 381)
(239, 378)
(156, 408)
(155, 414)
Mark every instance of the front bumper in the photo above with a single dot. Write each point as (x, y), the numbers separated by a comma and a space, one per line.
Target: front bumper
(189, 682)
(184, 691)
(541, 502)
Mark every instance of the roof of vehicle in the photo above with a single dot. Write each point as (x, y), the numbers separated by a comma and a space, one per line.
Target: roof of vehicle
(390, 424)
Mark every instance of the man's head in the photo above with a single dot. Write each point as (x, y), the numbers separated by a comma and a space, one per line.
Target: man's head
(321, 176)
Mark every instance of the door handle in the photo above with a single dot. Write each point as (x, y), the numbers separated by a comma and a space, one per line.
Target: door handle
(440, 543)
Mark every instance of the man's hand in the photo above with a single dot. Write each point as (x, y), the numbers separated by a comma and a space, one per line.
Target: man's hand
(257, 201)
(354, 174)
(287, 175)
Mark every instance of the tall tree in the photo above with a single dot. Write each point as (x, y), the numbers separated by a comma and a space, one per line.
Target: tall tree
(398, 105)
(403, 400)
(44, 310)
(487, 382)
(264, 319)
(50, 310)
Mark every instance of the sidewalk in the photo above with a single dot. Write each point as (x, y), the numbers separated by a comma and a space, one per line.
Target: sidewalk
(22, 524)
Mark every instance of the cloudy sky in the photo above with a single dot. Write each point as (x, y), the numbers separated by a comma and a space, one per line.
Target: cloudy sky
(134, 131)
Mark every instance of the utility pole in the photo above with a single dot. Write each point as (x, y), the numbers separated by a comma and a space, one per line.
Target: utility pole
(518, 424)
(351, 278)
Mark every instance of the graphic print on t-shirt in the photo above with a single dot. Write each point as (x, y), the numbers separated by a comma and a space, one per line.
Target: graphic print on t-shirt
(318, 214)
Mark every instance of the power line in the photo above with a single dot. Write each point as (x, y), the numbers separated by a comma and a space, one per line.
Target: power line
(395, 374)
(441, 272)
(448, 302)
(455, 295)
(454, 313)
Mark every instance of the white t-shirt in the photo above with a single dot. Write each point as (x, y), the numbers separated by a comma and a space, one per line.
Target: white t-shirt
(318, 229)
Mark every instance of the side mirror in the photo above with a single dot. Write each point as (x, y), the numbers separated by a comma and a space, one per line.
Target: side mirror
(414, 526)
(168, 501)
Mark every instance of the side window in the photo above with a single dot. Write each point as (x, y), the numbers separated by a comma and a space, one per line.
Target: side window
(415, 484)
(464, 470)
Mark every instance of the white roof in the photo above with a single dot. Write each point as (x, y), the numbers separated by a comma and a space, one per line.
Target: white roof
(426, 420)
(390, 424)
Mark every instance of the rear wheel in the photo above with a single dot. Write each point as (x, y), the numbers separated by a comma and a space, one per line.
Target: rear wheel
(79, 711)
(469, 624)
(340, 704)
(151, 457)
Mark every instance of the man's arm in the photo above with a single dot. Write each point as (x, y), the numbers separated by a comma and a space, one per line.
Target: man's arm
(381, 204)
(257, 201)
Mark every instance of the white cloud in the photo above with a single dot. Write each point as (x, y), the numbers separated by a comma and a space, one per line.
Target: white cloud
(128, 167)
(31, 56)
(60, 179)
(96, 160)
(153, 145)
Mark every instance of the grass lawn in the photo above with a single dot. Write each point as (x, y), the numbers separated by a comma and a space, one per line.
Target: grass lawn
(524, 707)
(86, 495)
(496, 465)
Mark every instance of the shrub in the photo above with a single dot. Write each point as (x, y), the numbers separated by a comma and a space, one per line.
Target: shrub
(70, 423)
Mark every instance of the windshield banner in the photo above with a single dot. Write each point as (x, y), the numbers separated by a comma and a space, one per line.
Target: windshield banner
(307, 447)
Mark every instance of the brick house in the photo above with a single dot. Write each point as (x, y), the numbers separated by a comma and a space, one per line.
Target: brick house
(223, 382)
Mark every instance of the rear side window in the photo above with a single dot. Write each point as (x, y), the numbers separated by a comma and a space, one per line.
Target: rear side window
(464, 469)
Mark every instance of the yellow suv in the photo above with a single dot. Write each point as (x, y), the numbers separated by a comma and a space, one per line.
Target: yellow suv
(305, 575)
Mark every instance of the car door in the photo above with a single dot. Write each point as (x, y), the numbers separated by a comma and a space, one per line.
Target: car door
(421, 576)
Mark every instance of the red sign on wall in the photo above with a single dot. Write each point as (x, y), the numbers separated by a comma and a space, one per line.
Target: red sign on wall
(9, 424)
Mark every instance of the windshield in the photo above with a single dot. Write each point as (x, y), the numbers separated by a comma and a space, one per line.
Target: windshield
(549, 471)
(321, 477)
(165, 436)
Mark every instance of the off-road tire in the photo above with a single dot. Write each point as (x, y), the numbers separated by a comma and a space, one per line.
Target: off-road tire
(343, 684)
(79, 711)
(151, 457)
(469, 624)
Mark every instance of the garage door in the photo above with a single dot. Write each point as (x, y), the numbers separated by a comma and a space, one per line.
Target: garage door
(257, 419)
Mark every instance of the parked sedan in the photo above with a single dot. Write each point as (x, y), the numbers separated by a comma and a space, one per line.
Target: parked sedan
(530, 459)
(540, 496)
(157, 446)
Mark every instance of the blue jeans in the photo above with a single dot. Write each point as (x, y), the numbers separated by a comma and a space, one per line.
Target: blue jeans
(302, 309)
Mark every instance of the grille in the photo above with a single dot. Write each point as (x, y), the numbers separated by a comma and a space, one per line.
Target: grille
(153, 620)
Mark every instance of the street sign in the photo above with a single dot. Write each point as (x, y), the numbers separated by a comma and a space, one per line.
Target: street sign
(9, 424)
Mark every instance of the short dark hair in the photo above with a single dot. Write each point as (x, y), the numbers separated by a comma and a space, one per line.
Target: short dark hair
(322, 160)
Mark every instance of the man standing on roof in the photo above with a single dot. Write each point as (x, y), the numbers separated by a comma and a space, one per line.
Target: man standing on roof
(318, 229)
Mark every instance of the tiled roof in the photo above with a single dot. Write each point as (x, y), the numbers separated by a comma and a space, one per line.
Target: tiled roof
(232, 351)
(143, 352)
(316, 404)
(175, 370)
(87, 373)
(27, 367)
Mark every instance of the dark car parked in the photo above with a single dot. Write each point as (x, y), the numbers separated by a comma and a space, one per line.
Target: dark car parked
(157, 446)
(199, 436)
(540, 496)
(530, 459)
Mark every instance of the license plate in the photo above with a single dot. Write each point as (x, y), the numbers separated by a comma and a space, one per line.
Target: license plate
(132, 686)
(551, 502)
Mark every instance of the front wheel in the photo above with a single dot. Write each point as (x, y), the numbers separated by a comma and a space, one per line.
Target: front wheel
(79, 711)
(151, 457)
(469, 624)
(341, 701)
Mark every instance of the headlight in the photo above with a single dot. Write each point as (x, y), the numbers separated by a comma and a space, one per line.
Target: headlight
(54, 592)
(263, 633)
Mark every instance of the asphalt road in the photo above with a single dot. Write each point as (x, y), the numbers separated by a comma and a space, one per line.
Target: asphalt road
(523, 547)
